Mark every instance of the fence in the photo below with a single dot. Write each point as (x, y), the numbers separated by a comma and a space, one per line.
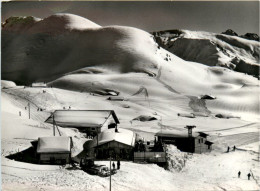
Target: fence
(153, 157)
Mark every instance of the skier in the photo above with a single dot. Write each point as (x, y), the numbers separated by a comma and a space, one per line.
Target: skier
(239, 173)
(114, 166)
(118, 164)
(248, 175)
(228, 149)
(234, 148)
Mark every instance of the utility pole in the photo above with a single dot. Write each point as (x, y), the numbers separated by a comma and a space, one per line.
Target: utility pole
(161, 129)
(110, 174)
(29, 110)
(53, 124)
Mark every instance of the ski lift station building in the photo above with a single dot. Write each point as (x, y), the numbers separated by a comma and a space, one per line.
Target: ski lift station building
(54, 150)
(91, 122)
(196, 143)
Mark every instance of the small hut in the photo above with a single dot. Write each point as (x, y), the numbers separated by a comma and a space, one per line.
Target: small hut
(116, 98)
(39, 85)
(54, 150)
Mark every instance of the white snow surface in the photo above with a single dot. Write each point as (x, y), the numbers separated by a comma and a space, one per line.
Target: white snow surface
(124, 136)
(53, 144)
(81, 118)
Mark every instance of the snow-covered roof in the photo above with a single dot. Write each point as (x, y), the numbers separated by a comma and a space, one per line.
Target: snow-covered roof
(54, 145)
(81, 118)
(123, 136)
(39, 84)
(116, 98)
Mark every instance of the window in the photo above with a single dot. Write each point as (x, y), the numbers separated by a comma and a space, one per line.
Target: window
(199, 140)
(93, 129)
(208, 146)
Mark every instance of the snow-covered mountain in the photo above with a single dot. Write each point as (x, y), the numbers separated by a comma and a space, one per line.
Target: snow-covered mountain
(71, 52)
(226, 50)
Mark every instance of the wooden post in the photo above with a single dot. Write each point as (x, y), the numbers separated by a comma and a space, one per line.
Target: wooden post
(29, 110)
(53, 125)
(110, 174)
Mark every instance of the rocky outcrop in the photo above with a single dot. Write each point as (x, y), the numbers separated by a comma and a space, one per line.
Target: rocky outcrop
(250, 36)
(230, 32)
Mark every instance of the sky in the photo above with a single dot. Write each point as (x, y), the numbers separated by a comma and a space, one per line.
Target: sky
(242, 17)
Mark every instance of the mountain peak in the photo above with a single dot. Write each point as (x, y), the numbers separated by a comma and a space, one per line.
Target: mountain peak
(54, 23)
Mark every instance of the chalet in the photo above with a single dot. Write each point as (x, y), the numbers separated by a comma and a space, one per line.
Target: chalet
(39, 85)
(116, 98)
(117, 143)
(188, 115)
(196, 143)
(54, 150)
(90, 122)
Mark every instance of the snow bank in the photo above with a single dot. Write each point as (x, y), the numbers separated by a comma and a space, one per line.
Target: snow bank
(176, 159)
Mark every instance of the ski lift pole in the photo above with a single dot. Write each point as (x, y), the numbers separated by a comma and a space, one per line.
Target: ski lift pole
(29, 110)
(53, 125)
(110, 173)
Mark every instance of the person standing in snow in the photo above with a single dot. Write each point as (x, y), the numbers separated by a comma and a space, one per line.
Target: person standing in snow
(114, 166)
(248, 175)
(228, 149)
(234, 148)
(118, 164)
(239, 173)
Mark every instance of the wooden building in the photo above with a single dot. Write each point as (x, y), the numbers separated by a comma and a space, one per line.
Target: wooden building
(119, 144)
(116, 98)
(39, 85)
(90, 122)
(54, 150)
(196, 143)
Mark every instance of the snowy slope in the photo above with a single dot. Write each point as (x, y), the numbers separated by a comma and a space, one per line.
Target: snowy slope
(48, 50)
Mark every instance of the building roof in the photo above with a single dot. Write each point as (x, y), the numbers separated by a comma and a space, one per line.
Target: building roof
(116, 98)
(54, 145)
(123, 136)
(39, 84)
(203, 134)
(81, 118)
(175, 133)
(208, 143)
